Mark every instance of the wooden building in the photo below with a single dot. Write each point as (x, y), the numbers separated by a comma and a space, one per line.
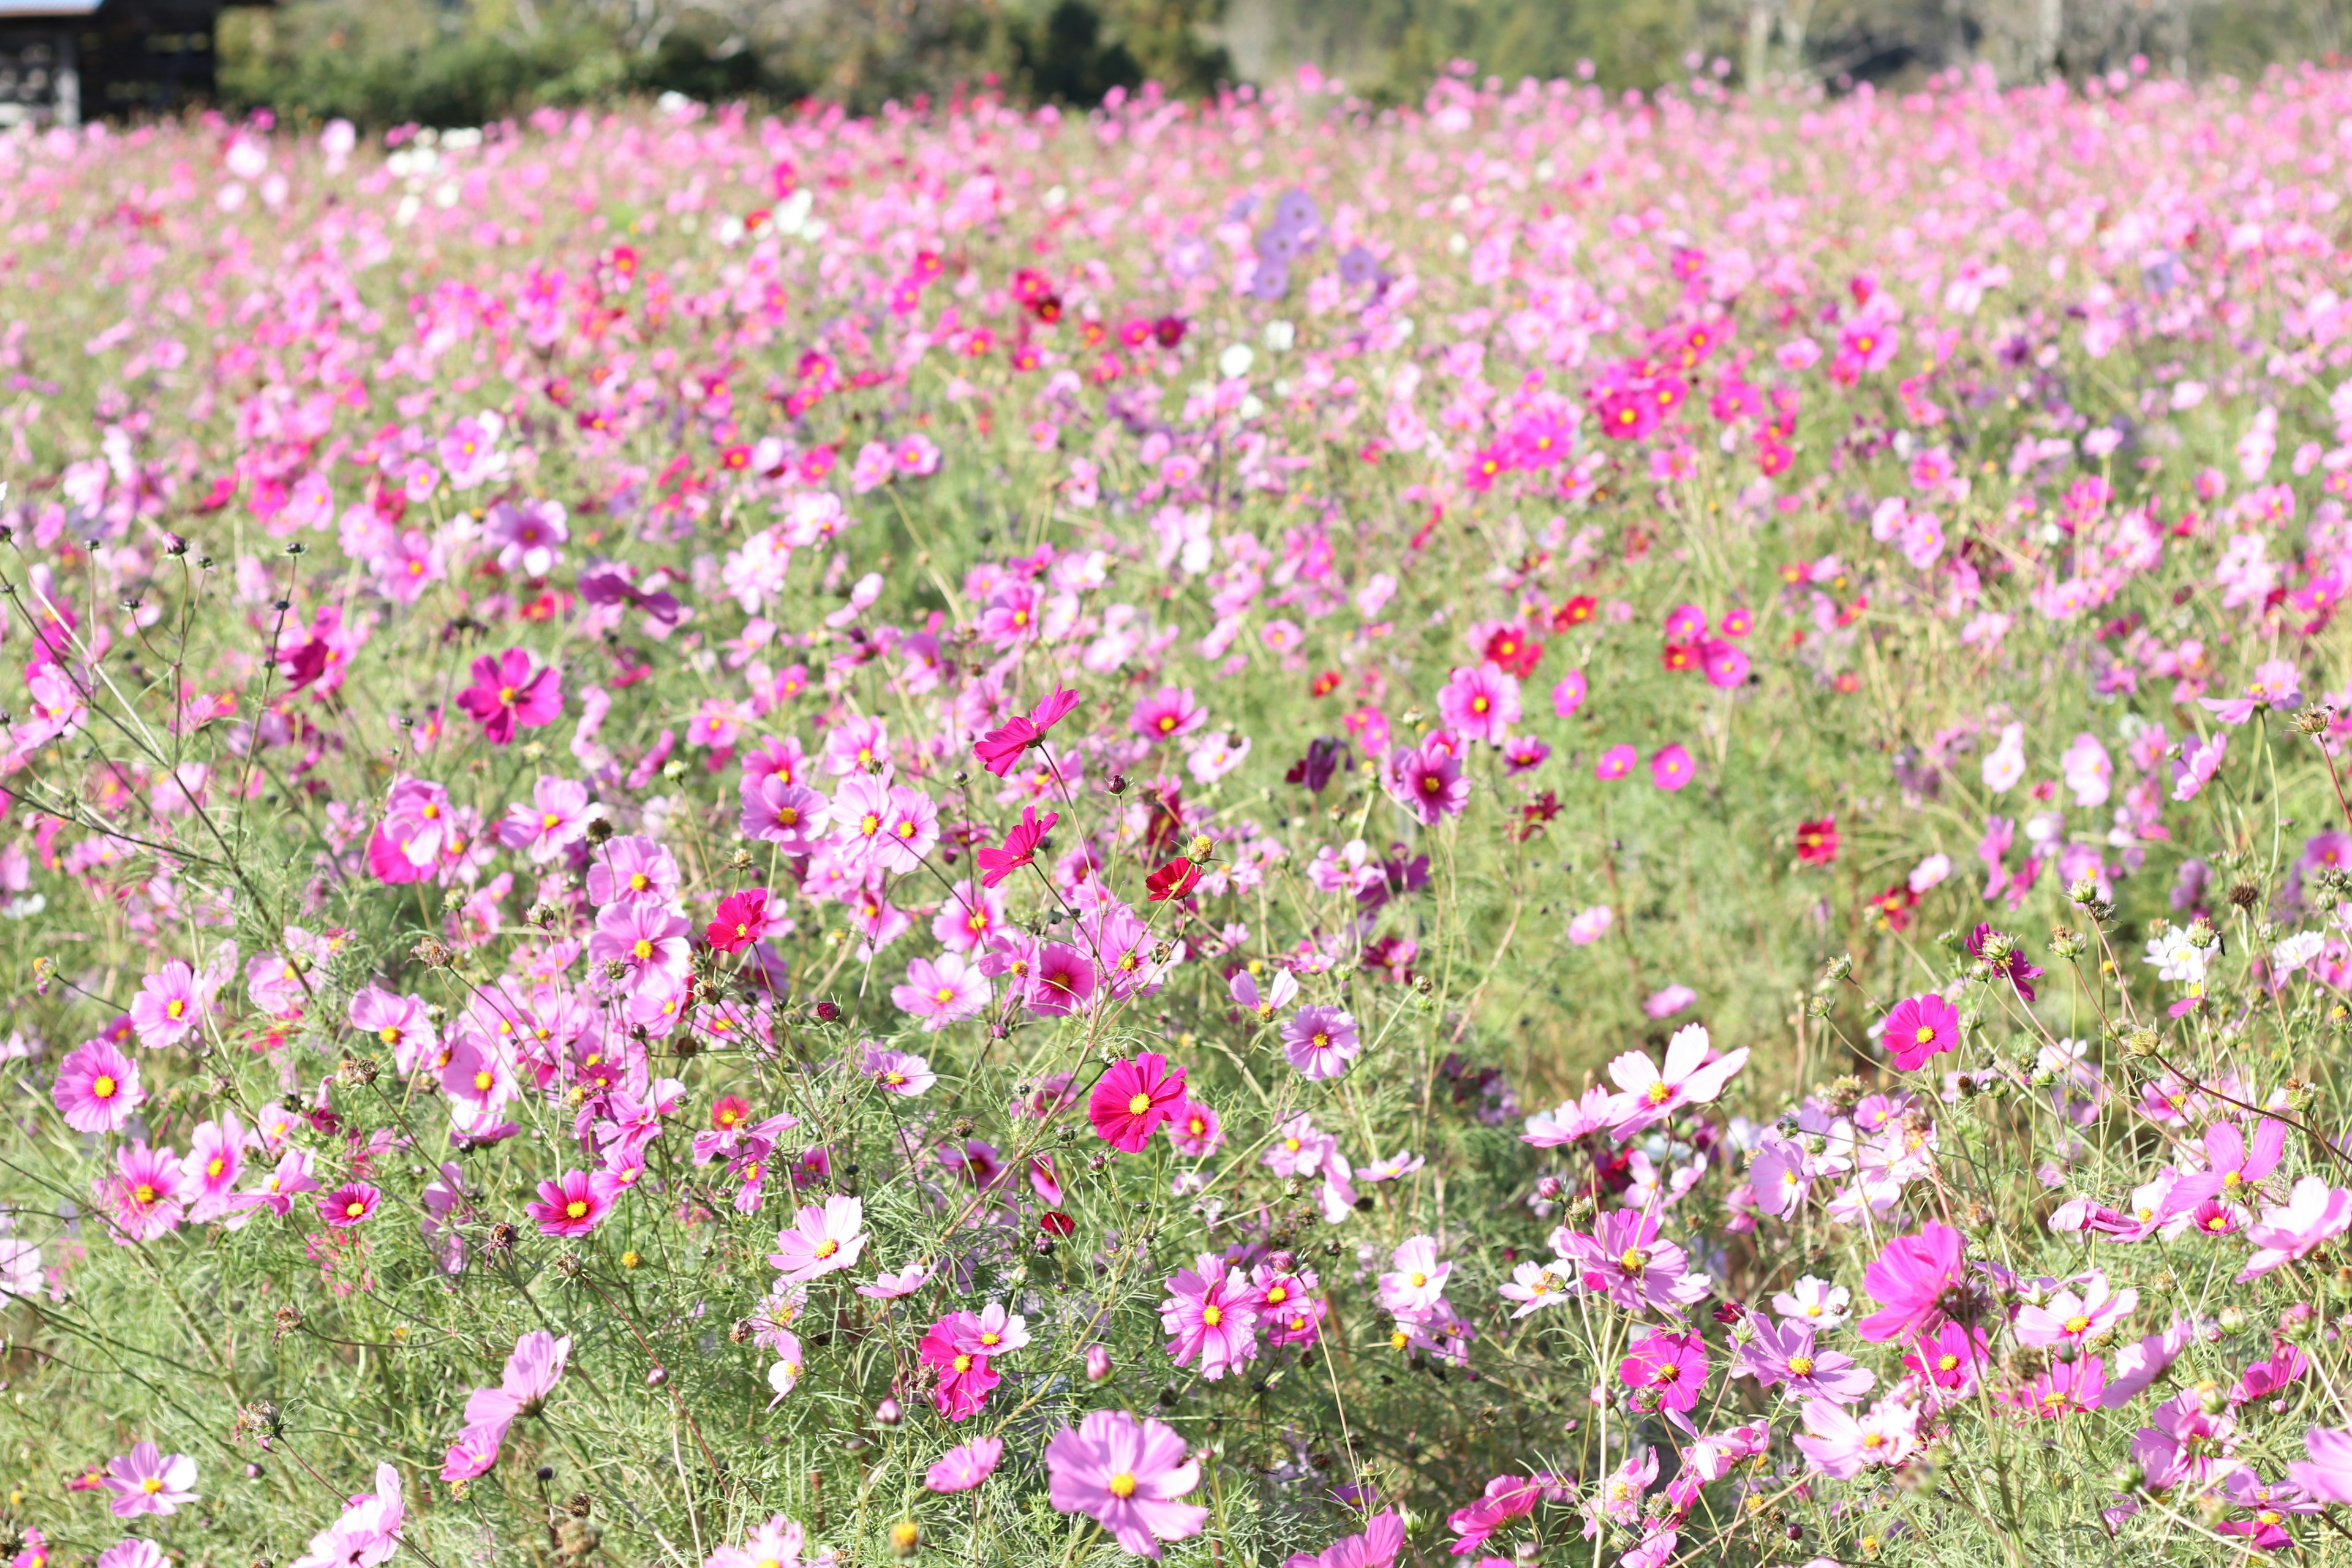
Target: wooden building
(63, 61)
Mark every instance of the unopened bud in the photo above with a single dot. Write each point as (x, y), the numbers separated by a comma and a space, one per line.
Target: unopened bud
(1097, 1363)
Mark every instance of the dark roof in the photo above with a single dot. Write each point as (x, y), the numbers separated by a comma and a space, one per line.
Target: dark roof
(38, 8)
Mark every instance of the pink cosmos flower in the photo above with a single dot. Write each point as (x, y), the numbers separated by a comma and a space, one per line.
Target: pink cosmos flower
(216, 1159)
(98, 1088)
(1483, 703)
(1064, 982)
(1627, 1260)
(891, 1287)
(1672, 1366)
(1194, 1128)
(1650, 1094)
(632, 867)
(1921, 1027)
(348, 1205)
(1379, 1546)
(529, 534)
(1670, 768)
(1844, 1444)
(1568, 697)
(1320, 1042)
(822, 1239)
(2314, 1214)
(1126, 1475)
(1615, 762)
(1133, 1098)
(1788, 1353)
(143, 1194)
(399, 1022)
(2065, 1388)
(1571, 1120)
(366, 1534)
(556, 818)
(961, 1469)
(291, 1177)
(1427, 780)
(2072, 1318)
(2328, 1474)
(1416, 1279)
(775, 1545)
(1168, 714)
(896, 1072)
(964, 1377)
(144, 1481)
(648, 941)
(1021, 844)
(992, 1331)
(507, 695)
(2198, 764)
(569, 1206)
(2230, 1164)
(1910, 1280)
(169, 1009)
(941, 991)
(1212, 1313)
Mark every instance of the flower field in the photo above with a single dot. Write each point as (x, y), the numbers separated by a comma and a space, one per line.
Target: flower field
(1543, 828)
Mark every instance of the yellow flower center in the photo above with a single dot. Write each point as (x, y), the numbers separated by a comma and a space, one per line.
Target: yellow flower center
(827, 1247)
(576, 1209)
(389, 1033)
(1212, 1316)
(1923, 1034)
(1418, 1279)
(1122, 1485)
(143, 1192)
(962, 1363)
(483, 1079)
(353, 1209)
(102, 1087)
(1139, 1104)
(2077, 1323)
(174, 1008)
(1802, 1365)
(643, 949)
(1658, 1093)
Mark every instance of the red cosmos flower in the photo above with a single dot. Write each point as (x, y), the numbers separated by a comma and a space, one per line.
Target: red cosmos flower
(1575, 613)
(1001, 748)
(1817, 842)
(1513, 651)
(1174, 881)
(505, 695)
(1021, 841)
(742, 921)
(1324, 684)
(1057, 1224)
(1133, 1098)
(1679, 657)
(1893, 906)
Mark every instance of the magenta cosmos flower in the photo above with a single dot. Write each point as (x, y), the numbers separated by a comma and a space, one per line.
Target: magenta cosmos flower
(1919, 1027)
(146, 1481)
(571, 1205)
(1568, 695)
(1133, 1098)
(1126, 1475)
(1615, 763)
(1672, 1366)
(960, 1469)
(1481, 703)
(1001, 747)
(98, 1088)
(820, 1239)
(1670, 768)
(507, 696)
(1427, 781)
(1211, 1311)
(650, 941)
(1320, 1041)
(348, 1205)
(1168, 714)
(964, 1376)
(1909, 1281)
(143, 1192)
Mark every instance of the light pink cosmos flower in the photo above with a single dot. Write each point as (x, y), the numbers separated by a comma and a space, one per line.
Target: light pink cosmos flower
(1483, 703)
(941, 991)
(1126, 1475)
(1211, 1311)
(963, 1468)
(2073, 1319)
(1571, 1120)
(399, 1022)
(2314, 1214)
(367, 1532)
(775, 1545)
(169, 1009)
(556, 819)
(1844, 1444)
(649, 942)
(130, 1553)
(891, 1287)
(632, 867)
(896, 1072)
(2327, 1476)
(993, 1332)
(291, 1177)
(2198, 764)
(1650, 1094)
(530, 535)
(98, 1088)
(1416, 1281)
(792, 816)
(1277, 993)
(1627, 1260)
(144, 1481)
(822, 1239)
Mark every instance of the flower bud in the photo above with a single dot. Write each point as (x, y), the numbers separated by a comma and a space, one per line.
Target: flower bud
(1097, 1363)
(2211, 1397)
(888, 1412)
